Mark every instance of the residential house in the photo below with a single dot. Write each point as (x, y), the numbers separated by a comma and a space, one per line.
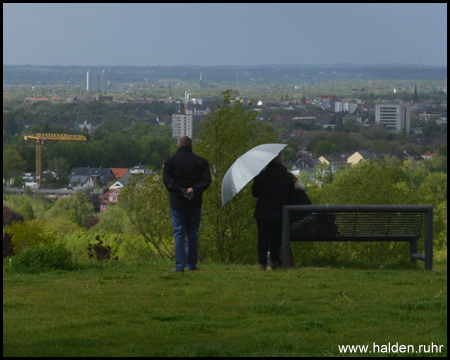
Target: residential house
(306, 165)
(111, 196)
(140, 169)
(402, 155)
(427, 155)
(119, 172)
(90, 177)
(362, 155)
(334, 160)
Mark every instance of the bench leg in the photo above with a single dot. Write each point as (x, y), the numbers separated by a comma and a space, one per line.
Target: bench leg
(285, 240)
(413, 251)
(429, 239)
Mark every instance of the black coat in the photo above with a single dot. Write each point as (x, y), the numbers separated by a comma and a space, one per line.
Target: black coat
(274, 187)
(300, 198)
(181, 171)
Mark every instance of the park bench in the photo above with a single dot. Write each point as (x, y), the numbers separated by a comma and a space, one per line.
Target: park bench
(359, 223)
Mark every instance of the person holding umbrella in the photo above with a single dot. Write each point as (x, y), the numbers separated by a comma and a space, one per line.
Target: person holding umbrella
(274, 188)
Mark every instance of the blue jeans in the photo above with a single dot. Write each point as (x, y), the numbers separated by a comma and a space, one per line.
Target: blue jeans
(185, 226)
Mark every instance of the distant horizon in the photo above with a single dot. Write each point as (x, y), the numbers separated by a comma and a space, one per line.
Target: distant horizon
(270, 65)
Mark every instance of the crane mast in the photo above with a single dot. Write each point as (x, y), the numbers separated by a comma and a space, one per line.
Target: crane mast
(40, 138)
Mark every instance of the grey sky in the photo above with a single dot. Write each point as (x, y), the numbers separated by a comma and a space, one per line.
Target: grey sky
(224, 34)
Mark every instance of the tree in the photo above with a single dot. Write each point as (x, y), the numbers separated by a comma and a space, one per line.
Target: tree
(145, 201)
(324, 147)
(12, 164)
(323, 172)
(228, 232)
(75, 208)
(57, 177)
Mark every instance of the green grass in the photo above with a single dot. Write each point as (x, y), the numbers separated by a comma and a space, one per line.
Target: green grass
(143, 309)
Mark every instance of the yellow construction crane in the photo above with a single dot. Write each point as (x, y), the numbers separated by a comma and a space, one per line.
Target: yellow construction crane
(40, 138)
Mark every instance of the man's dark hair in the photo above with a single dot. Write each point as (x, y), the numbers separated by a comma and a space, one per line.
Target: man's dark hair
(185, 141)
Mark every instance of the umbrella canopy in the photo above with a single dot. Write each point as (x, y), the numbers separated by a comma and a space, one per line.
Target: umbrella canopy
(247, 167)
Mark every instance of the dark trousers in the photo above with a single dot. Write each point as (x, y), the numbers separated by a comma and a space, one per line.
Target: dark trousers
(269, 239)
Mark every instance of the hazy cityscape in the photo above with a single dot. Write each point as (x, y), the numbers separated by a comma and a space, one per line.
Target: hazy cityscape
(95, 100)
(296, 100)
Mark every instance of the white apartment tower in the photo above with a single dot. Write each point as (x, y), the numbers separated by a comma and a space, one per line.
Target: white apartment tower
(182, 125)
(350, 107)
(395, 116)
(91, 81)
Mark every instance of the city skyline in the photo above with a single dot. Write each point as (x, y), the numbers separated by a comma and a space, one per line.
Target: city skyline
(224, 34)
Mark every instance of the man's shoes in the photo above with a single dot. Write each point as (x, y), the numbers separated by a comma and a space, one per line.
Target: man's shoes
(272, 265)
(262, 267)
(194, 268)
(177, 270)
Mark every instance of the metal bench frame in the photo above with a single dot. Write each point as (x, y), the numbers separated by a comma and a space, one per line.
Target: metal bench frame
(364, 231)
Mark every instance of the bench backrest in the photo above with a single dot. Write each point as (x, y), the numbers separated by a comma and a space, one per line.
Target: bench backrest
(355, 222)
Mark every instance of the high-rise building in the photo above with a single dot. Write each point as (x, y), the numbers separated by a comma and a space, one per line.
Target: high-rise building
(395, 116)
(95, 81)
(103, 81)
(350, 107)
(91, 81)
(182, 125)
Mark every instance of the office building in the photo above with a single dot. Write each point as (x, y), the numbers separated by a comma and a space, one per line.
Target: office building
(395, 116)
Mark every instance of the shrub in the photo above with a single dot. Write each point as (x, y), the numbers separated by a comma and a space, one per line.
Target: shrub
(9, 216)
(100, 252)
(42, 258)
(29, 233)
(8, 246)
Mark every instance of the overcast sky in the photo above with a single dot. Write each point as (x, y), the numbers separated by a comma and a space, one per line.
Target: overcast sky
(224, 34)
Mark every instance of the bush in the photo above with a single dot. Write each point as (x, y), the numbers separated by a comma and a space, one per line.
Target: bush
(29, 233)
(126, 247)
(42, 258)
(100, 252)
(9, 216)
(8, 246)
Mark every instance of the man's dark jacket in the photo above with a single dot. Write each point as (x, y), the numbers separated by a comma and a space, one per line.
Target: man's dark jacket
(183, 170)
(274, 187)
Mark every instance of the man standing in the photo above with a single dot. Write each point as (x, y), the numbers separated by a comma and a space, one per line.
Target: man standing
(186, 176)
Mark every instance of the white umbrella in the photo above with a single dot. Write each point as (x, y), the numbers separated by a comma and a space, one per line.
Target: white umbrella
(247, 167)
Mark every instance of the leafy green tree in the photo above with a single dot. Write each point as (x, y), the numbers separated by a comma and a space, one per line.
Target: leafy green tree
(60, 226)
(75, 208)
(115, 221)
(60, 168)
(146, 203)
(437, 163)
(12, 164)
(10, 125)
(322, 172)
(324, 147)
(442, 150)
(228, 233)
(433, 189)
(368, 183)
(29, 233)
